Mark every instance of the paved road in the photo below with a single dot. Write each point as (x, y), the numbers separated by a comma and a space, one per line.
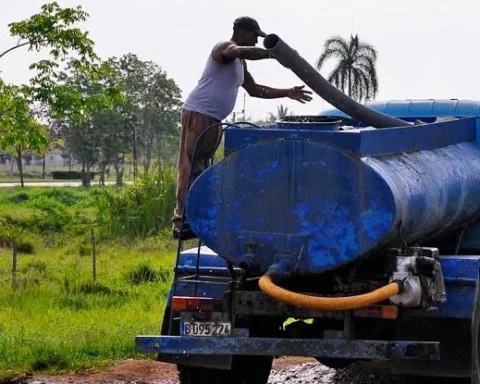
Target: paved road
(54, 184)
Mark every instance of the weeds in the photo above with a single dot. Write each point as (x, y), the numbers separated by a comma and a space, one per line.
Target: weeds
(58, 319)
(143, 209)
(144, 273)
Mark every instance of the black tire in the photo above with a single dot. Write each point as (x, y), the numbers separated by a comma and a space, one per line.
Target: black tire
(245, 370)
(335, 363)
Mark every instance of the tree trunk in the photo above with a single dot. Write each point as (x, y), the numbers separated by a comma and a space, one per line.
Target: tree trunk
(20, 166)
(11, 166)
(120, 169)
(146, 166)
(350, 83)
(44, 163)
(103, 167)
(135, 159)
(86, 176)
(83, 173)
(159, 148)
(148, 155)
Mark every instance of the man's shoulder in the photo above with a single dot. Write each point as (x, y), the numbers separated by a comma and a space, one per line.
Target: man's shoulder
(218, 49)
(223, 44)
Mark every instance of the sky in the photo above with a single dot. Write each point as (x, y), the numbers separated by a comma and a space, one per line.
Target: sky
(426, 48)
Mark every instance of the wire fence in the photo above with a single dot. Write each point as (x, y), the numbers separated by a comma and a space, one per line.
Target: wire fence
(10, 171)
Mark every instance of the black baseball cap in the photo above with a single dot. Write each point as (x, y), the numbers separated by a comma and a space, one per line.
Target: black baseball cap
(249, 22)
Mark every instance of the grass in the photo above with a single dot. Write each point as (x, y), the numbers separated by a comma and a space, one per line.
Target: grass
(142, 209)
(57, 319)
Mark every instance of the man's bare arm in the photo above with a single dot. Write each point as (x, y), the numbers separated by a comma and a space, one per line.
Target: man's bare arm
(229, 51)
(264, 92)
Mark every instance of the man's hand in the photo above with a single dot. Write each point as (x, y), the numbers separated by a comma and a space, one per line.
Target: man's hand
(300, 94)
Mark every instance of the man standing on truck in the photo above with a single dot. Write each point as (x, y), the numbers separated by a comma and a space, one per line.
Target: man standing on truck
(213, 99)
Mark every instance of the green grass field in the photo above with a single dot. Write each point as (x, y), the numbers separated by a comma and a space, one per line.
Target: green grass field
(57, 319)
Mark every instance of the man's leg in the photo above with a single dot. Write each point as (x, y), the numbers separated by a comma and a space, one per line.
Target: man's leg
(193, 124)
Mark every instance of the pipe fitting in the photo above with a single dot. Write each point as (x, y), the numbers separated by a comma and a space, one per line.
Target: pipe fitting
(282, 268)
(249, 263)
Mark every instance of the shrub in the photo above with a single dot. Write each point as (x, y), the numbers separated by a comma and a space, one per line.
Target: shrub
(36, 266)
(65, 196)
(84, 248)
(55, 216)
(50, 358)
(18, 198)
(94, 288)
(70, 175)
(144, 273)
(10, 233)
(139, 210)
(26, 245)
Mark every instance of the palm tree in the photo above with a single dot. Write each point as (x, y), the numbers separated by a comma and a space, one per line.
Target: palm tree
(355, 71)
(282, 112)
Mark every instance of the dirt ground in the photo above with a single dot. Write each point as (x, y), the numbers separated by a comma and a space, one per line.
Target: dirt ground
(139, 372)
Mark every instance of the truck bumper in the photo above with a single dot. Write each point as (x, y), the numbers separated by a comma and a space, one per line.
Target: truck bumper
(171, 346)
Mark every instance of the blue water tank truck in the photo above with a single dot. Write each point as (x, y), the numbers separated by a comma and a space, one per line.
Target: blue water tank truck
(352, 235)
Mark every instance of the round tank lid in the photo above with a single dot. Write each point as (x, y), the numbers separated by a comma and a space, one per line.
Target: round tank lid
(321, 123)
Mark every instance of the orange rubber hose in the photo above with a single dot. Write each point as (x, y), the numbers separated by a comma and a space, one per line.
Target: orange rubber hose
(327, 303)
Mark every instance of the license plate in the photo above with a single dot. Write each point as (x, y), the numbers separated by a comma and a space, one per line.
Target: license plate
(205, 328)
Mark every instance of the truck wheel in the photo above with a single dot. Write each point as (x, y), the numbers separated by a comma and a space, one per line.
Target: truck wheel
(245, 370)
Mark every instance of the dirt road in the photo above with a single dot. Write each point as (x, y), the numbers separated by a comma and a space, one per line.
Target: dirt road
(151, 372)
(289, 370)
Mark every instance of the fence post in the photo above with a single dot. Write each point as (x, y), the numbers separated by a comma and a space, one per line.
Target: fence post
(94, 257)
(14, 266)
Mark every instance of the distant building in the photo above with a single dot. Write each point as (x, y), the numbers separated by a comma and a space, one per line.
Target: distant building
(54, 158)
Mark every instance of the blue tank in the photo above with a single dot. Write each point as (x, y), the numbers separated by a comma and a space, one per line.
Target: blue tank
(330, 197)
(427, 110)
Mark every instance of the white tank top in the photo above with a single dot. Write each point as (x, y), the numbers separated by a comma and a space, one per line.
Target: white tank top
(216, 92)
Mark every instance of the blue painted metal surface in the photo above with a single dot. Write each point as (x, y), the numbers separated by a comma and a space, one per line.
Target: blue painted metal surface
(363, 142)
(471, 239)
(425, 110)
(355, 349)
(461, 279)
(335, 203)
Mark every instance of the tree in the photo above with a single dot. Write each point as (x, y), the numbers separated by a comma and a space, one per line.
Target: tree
(152, 110)
(102, 129)
(355, 71)
(112, 149)
(53, 28)
(86, 94)
(19, 130)
(282, 112)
